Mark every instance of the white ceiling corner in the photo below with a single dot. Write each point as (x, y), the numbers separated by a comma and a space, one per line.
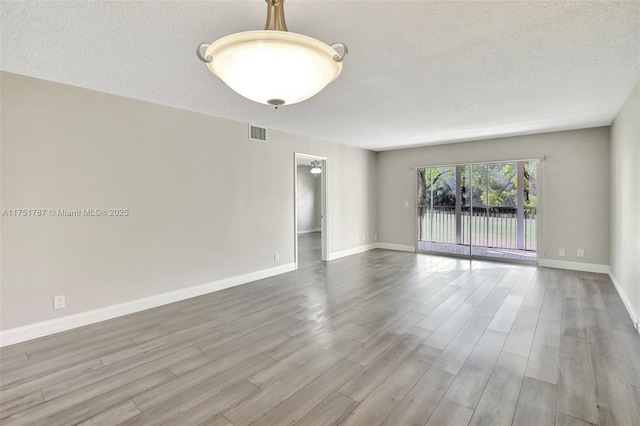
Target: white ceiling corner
(418, 72)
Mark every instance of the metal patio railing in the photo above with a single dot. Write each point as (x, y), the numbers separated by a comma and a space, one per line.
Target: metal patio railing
(495, 227)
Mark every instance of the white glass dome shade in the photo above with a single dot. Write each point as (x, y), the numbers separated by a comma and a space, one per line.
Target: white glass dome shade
(273, 67)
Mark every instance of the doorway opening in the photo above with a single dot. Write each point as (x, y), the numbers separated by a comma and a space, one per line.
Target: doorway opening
(485, 210)
(310, 206)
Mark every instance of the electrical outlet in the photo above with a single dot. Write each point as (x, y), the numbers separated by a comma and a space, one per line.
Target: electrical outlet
(59, 302)
(375, 237)
(406, 204)
(276, 257)
(580, 253)
(362, 237)
(562, 253)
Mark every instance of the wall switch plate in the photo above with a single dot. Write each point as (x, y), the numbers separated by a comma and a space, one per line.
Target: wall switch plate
(276, 257)
(362, 237)
(580, 253)
(562, 253)
(59, 302)
(375, 237)
(406, 204)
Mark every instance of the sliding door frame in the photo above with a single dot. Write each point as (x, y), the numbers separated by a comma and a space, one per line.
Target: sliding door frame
(540, 209)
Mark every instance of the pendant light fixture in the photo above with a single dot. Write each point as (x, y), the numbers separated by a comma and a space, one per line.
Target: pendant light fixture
(273, 66)
(316, 168)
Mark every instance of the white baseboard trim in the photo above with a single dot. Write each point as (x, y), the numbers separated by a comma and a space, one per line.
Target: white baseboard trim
(397, 247)
(362, 249)
(351, 251)
(310, 231)
(45, 328)
(627, 304)
(574, 266)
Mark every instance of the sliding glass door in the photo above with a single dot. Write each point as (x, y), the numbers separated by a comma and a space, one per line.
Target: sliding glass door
(484, 209)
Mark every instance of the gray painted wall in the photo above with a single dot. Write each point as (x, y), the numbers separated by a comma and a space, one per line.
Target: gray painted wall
(309, 200)
(204, 202)
(625, 199)
(575, 171)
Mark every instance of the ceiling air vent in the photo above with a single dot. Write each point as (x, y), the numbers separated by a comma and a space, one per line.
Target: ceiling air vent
(257, 133)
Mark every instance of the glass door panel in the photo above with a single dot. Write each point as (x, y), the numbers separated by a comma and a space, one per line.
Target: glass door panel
(501, 195)
(441, 218)
(478, 207)
(443, 199)
(424, 204)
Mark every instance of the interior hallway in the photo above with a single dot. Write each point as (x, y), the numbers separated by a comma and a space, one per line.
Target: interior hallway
(309, 249)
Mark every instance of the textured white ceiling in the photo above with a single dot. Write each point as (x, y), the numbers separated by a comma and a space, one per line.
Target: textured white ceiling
(418, 72)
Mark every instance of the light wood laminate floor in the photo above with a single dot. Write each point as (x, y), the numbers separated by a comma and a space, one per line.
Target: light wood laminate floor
(377, 338)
